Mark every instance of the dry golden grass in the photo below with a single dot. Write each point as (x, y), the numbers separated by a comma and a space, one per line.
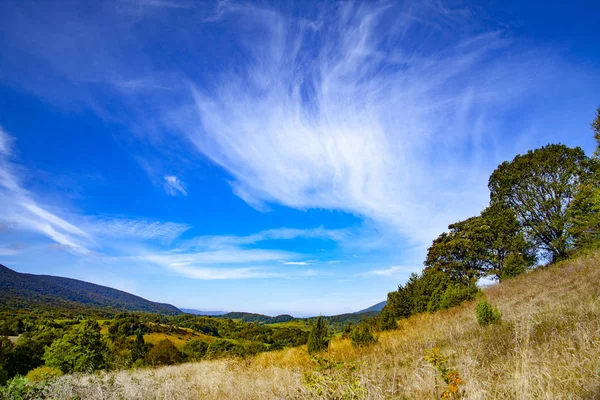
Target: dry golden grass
(547, 347)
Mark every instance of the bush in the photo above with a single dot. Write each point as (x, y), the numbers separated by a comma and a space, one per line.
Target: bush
(19, 388)
(42, 374)
(487, 313)
(164, 353)
(195, 349)
(362, 335)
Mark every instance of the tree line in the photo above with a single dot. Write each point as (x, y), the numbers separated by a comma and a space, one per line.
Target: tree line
(544, 206)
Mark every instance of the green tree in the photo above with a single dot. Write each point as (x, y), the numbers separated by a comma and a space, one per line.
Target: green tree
(81, 350)
(596, 129)
(584, 210)
(6, 359)
(138, 349)
(461, 253)
(317, 339)
(538, 187)
(507, 252)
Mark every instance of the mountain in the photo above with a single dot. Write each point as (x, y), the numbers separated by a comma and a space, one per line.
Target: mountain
(18, 291)
(202, 312)
(376, 307)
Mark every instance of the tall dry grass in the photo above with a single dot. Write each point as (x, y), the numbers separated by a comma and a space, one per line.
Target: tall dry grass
(547, 347)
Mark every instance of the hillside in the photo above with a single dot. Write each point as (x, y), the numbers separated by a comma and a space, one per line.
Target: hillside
(260, 318)
(44, 292)
(547, 346)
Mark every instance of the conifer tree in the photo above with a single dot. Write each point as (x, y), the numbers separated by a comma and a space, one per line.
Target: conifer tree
(317, 339)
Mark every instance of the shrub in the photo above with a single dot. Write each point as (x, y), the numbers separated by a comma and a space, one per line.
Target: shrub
(487, 313)
(19, 388)
(195, 349)
(164, 353)
(220, 348)
(41, 374)
(451, 377)
(362, 335)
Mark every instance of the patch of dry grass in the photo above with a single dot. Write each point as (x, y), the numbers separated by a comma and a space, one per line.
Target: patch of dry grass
(547, 347)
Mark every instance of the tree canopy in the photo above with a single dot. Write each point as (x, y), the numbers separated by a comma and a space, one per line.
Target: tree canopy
(538, 187)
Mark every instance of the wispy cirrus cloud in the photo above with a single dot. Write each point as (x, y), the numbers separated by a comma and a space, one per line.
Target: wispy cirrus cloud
(391, 271)
(22, 211)
(174, 186)
(362, 112)
(220, 241)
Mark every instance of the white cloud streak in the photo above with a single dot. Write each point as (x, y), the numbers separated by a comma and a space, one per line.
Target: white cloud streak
(348, 112)
(20, 211)
(391, 271)
(174, 186)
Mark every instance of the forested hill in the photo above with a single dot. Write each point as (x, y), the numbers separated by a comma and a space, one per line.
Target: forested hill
(18, 291)
(260, 318)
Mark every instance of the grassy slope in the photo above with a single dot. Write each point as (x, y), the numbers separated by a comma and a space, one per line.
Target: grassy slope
(548, 346)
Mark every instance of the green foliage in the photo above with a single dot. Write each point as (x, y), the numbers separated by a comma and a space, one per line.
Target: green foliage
(139, 350)
(433, 290)
(220, 348)
(362, 335)
(596, 129)
(260, 318)
(20, 388)
(81, 350)
(455, 294)
(164, 353)
(126, 325)
(318, 338)
(43, 374)
(289, 337)
(195, 349)
(460, 253)
(487, 313)
(538, 188)
(507, 252)
(6, 358)
(584, 213)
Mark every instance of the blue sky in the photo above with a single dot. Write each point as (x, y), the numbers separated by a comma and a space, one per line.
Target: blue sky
(271, 157)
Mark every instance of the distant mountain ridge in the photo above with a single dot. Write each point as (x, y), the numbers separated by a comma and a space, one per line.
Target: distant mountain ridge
(20, 290)
(202, 312)
(374, 308)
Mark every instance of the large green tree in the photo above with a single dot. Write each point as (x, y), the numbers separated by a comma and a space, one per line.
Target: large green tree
(81, 350)
(538, 187)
